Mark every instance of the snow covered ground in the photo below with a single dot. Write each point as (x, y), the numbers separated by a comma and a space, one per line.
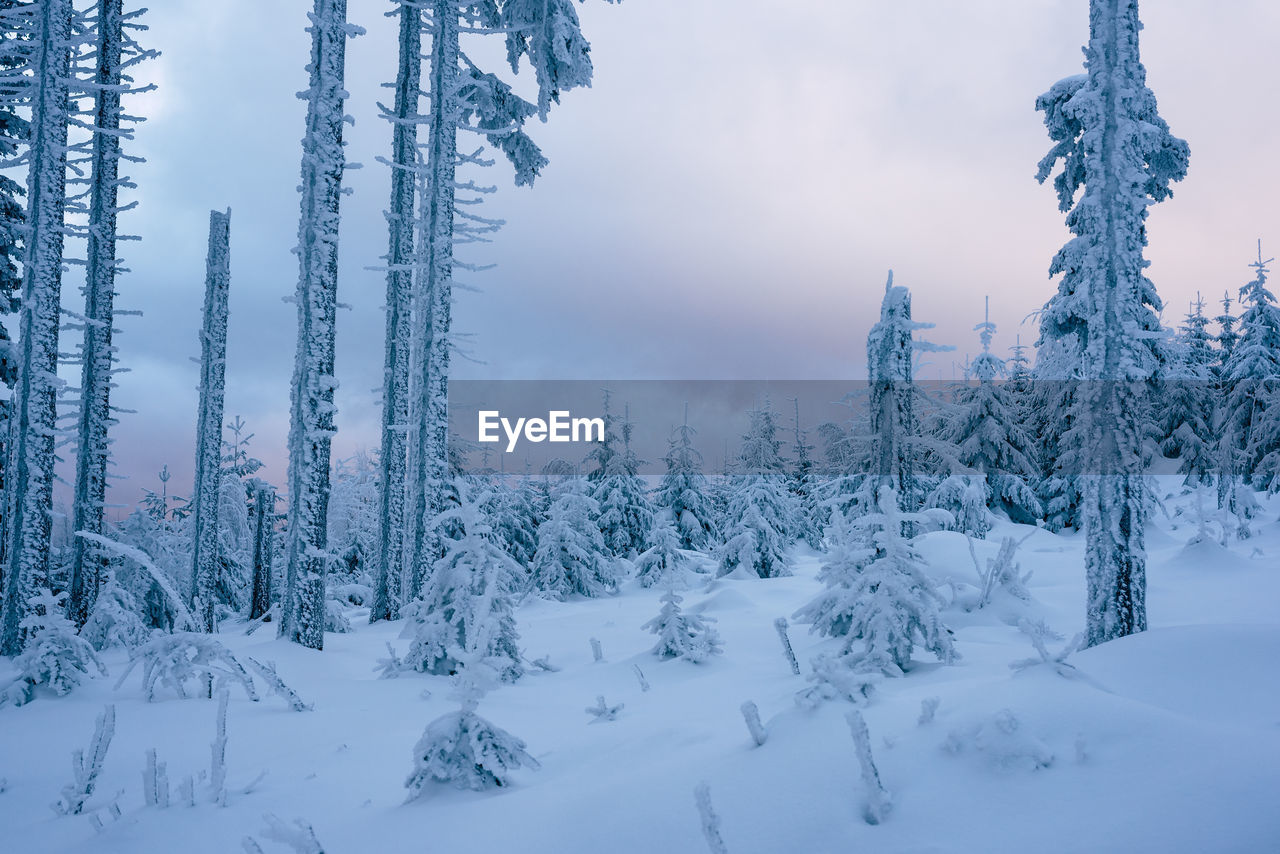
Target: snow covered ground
(1164, 742)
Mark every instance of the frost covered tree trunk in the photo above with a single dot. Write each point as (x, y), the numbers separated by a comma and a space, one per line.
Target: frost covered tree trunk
(1103, 320)
(428, 406)
(30, 470)
(388, 594)
(264, 509)
(311, 427)
(213, 366)
(95, 419)
(889, 349)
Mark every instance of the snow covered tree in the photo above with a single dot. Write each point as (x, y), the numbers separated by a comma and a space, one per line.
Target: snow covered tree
(989, 438)
(465, 610)
(625, 512)
(463, 750)
(682, 494)
(1227, 336)
(1187, 407)
(681, 635)
(14, 132)
(662, 562)
(762, 513)
(513, 512)
(464, 98)
(877, 593)
(116, 50)
(1101, 327)
(571, 556)
(354, 519)
(54, 657)
(804, 485)
(403, 116)
(29, 471)
(895, 451)
(1252, 373)
(311, 423)
(213, 365)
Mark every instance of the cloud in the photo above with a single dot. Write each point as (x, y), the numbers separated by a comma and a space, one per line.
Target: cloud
(723, 203)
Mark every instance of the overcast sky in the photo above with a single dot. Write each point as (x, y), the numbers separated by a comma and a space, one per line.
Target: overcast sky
(723, 203)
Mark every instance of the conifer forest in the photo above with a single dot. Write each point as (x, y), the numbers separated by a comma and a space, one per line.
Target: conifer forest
(567, 426)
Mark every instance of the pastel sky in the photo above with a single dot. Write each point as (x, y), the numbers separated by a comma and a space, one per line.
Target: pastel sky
(723, 203)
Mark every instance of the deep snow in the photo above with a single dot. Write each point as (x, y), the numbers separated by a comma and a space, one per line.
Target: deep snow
(1164, 742)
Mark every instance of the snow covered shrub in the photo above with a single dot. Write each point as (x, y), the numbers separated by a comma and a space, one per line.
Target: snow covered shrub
(463, 750)
(335, 617)
(466, 605)
(55, 656)
(114, 620)
(178, 660)
(837, 677)
(1002, 573)
(965, 497)
(662, 562)
(877, 592)
(602, 711)
(1039, 632)
(1002, 742)
(87, 768)
(879, 801)
(682, 636)
(571, 558)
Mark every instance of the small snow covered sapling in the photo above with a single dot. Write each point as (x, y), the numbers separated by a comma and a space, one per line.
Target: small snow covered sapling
(55, 656)
(837, 677)
(178, 659)
(544, 665)
(878, 592)
(662, 562)
(155, 781)
(644, 683)
(267, 673)
(602, 711)
(597, 651)
(751, 715)
(1039, 632)
(710, 821)
(1001, 572)
(928, 709)
(391, 666)
(879, 801)
(781, 625)
(87, 768)
(466, 751)
(689, 637)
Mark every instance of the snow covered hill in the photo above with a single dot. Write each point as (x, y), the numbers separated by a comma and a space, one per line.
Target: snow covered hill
(1168, 741)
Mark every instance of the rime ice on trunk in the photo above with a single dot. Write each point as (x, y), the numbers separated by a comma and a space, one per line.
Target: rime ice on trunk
(213, 364)
(264, 509)
(30, 469)
(388, 594)
(1101, 325)
(889, 350)
(311, 424)
(93, 443)
(428, 404)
